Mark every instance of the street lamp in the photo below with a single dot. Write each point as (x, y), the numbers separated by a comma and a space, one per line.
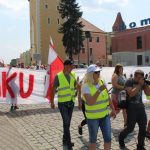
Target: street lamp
(109, 37)
(88, 36)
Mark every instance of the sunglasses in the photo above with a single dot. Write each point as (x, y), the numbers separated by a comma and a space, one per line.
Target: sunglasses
(97, 72)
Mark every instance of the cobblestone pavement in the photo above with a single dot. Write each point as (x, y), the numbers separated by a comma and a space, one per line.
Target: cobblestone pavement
(37, 127)
(10, 138)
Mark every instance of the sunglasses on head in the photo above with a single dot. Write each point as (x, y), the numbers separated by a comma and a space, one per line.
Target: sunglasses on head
(97, 72)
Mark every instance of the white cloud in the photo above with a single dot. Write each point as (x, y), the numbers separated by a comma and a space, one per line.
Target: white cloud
(14, 5)
(15, 8)
(101, 5)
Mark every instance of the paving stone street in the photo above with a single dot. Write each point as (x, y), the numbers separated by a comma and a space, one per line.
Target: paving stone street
(37, 127)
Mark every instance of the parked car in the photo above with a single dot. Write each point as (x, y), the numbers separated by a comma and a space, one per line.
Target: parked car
(82, 66)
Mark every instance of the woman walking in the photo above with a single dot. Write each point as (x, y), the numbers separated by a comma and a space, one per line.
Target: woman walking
(118, 82)
(96, 97)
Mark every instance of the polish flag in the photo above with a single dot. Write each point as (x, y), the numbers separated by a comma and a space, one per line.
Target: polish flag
(55, 65)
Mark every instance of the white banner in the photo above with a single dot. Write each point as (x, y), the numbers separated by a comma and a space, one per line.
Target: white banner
(28, 85)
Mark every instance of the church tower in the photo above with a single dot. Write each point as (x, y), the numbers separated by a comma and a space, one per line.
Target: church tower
(119, 24)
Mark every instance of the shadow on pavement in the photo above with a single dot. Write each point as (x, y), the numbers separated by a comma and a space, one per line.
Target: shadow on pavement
(28, 112)
(86, 143)
(46, 110)
(130, 137)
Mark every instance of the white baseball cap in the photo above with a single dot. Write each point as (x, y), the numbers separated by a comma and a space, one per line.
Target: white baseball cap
(93, 68)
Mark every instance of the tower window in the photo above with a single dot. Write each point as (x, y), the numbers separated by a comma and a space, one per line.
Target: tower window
(46, 6)
(58, 21)
(139, 42)
(57, 7)
(49, 20)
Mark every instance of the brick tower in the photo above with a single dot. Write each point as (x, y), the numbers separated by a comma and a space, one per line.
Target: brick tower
(119, 24)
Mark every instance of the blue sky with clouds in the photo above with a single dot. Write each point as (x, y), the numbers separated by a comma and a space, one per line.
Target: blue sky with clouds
(15, 29)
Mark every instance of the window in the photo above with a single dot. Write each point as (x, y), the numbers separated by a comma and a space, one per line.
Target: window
(83, 50)
(49, 21)
(139, 42)
(139, 60)
(46, 6)
(58, 21)
(147, 59)
(57, 7)
(90, 51)
(109, 50)
(97, 39)
(90, 39)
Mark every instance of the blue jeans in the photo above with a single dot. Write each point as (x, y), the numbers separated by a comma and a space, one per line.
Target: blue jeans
(104, 124)
(66, 109)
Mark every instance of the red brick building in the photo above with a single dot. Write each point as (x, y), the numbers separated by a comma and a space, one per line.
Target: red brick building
(130, 46)
(94, 48)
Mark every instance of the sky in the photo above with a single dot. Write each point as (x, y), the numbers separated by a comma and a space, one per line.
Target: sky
(15, 25)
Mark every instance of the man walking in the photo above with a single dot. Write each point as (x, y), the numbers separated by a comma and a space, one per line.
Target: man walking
(135, 110)
(65, 83)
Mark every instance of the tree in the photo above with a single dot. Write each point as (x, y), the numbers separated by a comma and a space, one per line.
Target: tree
(71, 27)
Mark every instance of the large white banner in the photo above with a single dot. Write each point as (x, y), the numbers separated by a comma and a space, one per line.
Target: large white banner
(29, 85)
(24, 84)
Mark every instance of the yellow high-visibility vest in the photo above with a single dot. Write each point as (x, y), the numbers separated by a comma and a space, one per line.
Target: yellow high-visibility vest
(66, 90)
(100, 108)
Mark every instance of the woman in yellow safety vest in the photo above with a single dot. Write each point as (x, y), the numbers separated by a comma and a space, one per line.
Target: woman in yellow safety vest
(97, 101)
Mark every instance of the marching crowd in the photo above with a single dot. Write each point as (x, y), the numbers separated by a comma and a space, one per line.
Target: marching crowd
(98, 106)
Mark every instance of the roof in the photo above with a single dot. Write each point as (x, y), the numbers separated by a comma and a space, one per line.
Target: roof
(119, 24)
(89, 26)
(118, 20)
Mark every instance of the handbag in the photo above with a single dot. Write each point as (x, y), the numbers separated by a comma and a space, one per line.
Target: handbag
(122, 99)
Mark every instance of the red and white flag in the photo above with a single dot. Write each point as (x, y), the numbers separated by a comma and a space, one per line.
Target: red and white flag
(55, 65)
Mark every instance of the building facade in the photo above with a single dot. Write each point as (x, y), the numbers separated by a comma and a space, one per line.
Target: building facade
(130, 46)
(25, 58)
(45, 21)
(94, 48)
(109, 36)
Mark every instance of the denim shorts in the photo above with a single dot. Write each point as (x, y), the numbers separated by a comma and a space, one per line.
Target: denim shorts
(105, 126)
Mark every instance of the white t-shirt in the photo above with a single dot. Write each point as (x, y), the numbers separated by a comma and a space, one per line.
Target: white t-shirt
(86, 90)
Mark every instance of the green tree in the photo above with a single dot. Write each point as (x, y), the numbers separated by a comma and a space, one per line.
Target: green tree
(71, 27)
